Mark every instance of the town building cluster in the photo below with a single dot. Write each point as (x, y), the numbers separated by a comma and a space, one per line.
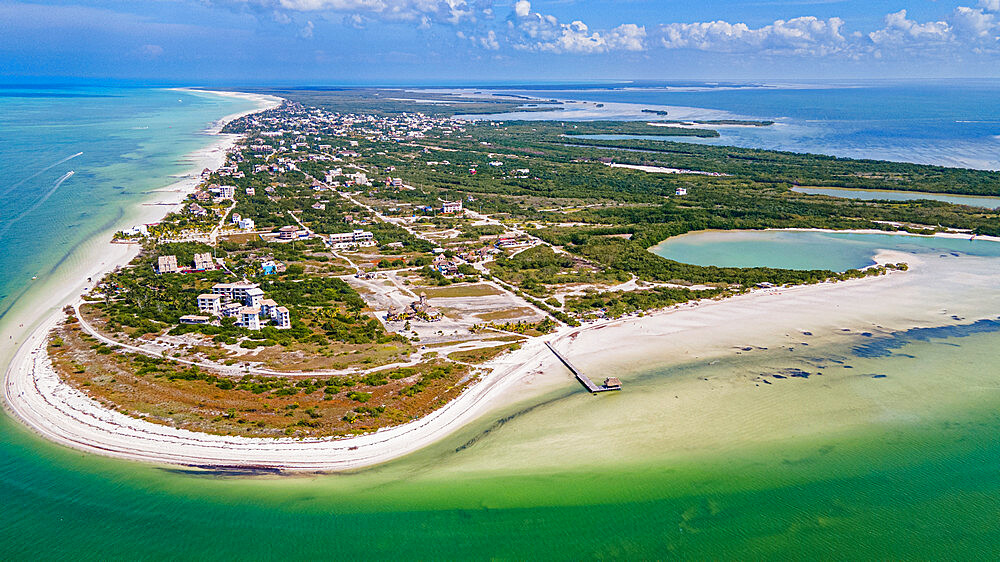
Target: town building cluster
(243, 301)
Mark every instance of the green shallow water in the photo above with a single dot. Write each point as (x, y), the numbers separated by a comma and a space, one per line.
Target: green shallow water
(918, 479)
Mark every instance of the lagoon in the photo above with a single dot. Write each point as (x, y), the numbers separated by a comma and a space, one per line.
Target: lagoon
(877, 195)
(786, 249)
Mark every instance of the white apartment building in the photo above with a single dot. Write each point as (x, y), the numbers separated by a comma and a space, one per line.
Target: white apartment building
(211, 304)
(249, 318)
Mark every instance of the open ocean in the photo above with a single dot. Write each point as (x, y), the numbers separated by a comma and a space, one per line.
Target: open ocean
(560, 476)
(949, 123)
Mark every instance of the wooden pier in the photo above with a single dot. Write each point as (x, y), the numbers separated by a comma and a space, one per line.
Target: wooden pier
(584, 379)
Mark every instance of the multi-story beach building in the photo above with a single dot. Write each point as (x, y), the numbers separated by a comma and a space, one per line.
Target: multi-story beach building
(249, 317)
(167, 264)
(240, 300)
(203, 262)
(282, 318)
(253, 297)
(210, 303)
(358, 237)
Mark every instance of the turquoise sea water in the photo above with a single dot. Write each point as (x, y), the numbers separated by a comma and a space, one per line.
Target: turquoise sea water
(807, 250)
(119, 143)
(894, 457)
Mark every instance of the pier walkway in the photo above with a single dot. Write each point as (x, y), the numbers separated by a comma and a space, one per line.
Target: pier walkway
(584, 379)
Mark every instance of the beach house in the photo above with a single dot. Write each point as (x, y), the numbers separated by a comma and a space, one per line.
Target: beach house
(253, 296)
(282, 318)
(355, 238)
(245, 302)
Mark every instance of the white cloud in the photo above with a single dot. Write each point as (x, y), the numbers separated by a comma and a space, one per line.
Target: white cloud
(901, 30)
(354, 20)
(972, 28)
(490, 42)
(628, 37)
(533, 31)
(803, 35)
(307, 30)
(974, 24)
(440, 11)
(151, 51)
(522, 8)
(487, 41)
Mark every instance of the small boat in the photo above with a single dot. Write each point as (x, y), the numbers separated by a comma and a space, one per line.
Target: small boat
(33, 277)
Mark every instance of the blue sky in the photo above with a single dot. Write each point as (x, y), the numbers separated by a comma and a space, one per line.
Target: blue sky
(454, 41)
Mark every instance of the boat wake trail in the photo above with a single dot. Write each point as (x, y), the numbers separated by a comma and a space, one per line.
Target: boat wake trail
(38, 203)
(39, 172)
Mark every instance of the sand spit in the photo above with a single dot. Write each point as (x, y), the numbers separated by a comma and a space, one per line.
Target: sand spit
(933, 289)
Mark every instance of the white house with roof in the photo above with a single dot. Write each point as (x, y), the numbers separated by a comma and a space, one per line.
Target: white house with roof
(167, 264)
(230, 310)
(361, 238)
(203, 262)
(281, 317)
